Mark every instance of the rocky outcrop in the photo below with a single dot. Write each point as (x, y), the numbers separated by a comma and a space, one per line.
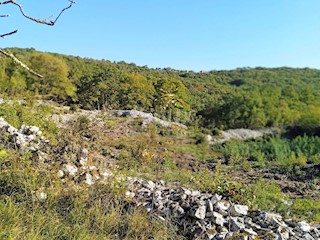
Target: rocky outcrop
(241, 134)
(147, 117)
(209, 216)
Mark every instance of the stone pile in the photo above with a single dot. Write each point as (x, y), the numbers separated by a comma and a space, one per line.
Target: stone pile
(27, 138)
(197, 215)
(72, 163)
(209, 216)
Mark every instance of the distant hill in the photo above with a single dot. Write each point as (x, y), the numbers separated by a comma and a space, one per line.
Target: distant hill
(246, 97)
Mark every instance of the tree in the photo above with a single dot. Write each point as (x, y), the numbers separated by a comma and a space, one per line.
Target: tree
(136, 92)
(40, 21)
(172, 98)
(55, 83)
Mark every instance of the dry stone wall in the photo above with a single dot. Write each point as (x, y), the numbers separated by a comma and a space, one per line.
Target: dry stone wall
(197, 215)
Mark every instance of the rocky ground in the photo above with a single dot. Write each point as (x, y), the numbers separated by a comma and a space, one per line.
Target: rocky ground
(197, 215)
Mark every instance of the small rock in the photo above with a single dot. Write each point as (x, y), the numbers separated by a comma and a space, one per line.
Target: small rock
(178, 211)
(250, 231)
(222, 207)
(236, 223)
(91, 168)
(41, 196)
(200, 212)
(238, 210)
(315, 233)
(71, 169)
(89, 179)
(106, 174)
(271, 219)
(83, 158)
(150, 185)
(304, 226)
(283, 232)
(195, 193)
(209, 206)
(60, 174)
(307, 236)
(216, 198)
(216, 218)
(130, 194)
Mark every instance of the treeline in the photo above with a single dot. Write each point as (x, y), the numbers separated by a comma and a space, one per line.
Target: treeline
(250, 98)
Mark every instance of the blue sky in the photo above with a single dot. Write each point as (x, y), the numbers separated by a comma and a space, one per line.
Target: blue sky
(181, 34)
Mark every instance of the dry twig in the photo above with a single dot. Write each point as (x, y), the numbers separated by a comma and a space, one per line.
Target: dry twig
(41, 21)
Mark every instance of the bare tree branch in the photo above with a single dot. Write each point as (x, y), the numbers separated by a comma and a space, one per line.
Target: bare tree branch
(17, 61)
(44, 21)
(7, 34)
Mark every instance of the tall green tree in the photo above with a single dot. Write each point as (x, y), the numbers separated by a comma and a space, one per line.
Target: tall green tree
(55, 83)
(136, 92)
(172, 97)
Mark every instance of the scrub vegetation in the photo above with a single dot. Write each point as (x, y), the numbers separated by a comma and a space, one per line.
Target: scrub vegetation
(277, 173)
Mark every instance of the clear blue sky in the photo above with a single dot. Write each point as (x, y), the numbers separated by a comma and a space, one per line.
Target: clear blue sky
(182, 34)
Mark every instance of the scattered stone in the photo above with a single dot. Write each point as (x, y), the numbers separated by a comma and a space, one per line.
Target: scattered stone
(216, 198)
(307, 236)
(283, 232)
(197, 215)
(236, 224)
(200, 212)
(89, 179)
(41, 196)
(250, 231)
(60, 174)
(315, 233)
(222, 207)
(238, 210)
(71, 169)
(304, 226)
(83, 157)
(217, 218)
(147, 117)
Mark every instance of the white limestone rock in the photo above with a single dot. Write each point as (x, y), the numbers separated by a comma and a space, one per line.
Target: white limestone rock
(60, 174)
(89, 179)
(200, 212)
(304, 226)
(42, 197)
(238, 210)
(71, 169)
(216, 198)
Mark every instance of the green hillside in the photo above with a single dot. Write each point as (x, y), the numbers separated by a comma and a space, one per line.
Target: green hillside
(67, 176)
(241, 98)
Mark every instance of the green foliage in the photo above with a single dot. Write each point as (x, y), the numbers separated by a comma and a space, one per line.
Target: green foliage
(55, 83)
(287, 155)
(250, 98)
(100, 212)
(268, 196)
(17, 115)
(309, 121)
(136, 92)
(307, 207)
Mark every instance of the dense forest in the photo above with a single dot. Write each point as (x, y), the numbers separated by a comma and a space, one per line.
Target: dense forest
(241, 98)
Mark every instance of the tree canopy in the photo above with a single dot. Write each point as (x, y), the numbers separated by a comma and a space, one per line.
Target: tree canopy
(240, 98)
